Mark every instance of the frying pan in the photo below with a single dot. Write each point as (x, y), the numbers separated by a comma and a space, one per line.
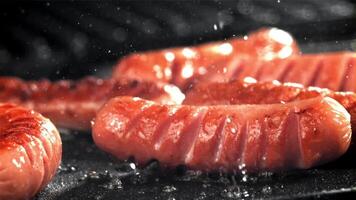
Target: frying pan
(59, 40)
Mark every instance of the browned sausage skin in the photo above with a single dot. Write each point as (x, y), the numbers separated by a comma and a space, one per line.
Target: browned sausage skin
(30, 152)
(273, 137)
(186, 65)
(249, 91)
(333, 70)
(73, 104)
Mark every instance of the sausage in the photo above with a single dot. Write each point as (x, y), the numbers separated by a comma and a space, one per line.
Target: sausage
(249, 91)
(186, 65)
(272, 137)
(335, 70)
(30, 152)
(73, 104)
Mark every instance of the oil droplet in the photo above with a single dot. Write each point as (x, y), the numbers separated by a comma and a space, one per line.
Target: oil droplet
(169, 189)
(93, 175)
(232, 192)
(266, 190)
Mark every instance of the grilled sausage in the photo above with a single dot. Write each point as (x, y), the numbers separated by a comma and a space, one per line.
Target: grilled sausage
(301, 134)
(335, 71)
(249, 91)
(73, 104)
(30, 152)
(184, 66)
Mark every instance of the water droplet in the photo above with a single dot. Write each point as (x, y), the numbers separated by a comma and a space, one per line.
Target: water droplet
(201, 196)
(266, 190)
(169, 189)
(215, 27)
(93, 175)
(244, 178)
(245, 37)
(133, 166)
(231, 192)
(68, 168)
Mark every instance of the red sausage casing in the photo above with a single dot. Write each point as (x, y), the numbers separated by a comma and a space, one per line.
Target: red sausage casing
(296, 135)
(186, 65)
(30, 152)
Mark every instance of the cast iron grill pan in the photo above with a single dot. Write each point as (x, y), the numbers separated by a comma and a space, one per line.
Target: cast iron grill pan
(59, 40)
(88, 173)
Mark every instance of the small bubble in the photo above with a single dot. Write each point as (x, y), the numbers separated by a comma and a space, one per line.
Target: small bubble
(215, 27)
(201, 196)
(244, 178)
(169, 189)
(245, 194)
(245, 37)
(266, 190)
(93, 175)
(133, 166)
(231, 192)
(242, 166)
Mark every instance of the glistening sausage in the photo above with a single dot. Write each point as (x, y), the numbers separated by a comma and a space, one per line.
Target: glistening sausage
(296, 135)
(249, 91)
(186, 65)
(30, 152)
(333, 70)
(73, 104)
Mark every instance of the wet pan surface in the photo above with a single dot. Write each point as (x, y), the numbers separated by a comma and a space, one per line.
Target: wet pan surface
(88, 173)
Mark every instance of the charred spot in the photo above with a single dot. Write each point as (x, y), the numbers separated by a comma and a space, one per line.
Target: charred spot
(133, 83)
(24, 95)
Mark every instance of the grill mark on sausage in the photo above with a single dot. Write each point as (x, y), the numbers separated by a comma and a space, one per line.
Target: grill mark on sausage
(293, 147)
(220, 132)
(259, 71)
(315, 76)
(242, 145)
(262, 149)
(188, 144)
(163, 128)
(287, 70)
(137, 117)
(176, 68)
(29, 152)
(236, 71)
(347, 75)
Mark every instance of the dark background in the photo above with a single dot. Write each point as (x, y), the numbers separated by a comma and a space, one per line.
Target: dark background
(70, 39)
(66, 39)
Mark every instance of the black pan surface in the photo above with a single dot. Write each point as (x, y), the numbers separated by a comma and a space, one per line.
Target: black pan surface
(71, 39)
(88, 173)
